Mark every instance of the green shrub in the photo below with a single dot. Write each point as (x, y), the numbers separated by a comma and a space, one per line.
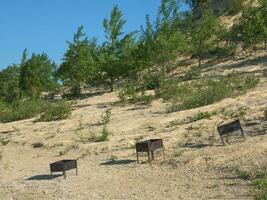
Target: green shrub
(55, 112)
(133, 94)
(203, 92)
(235, 6)
(103, 137)
(201, 115)
(22, 109)
(232, 114)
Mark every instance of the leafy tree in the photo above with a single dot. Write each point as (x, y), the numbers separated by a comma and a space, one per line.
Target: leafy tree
(117, 50)
(161, 41)
(79, 64)
(36, 74)
(203, 34)
(9, 83)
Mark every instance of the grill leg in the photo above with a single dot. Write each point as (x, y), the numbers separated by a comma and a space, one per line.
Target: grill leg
(64, 173)
(51, 174)
(163, 151)
(152, 155)
(148, 154)
(222, 140)
(137, 157)
(76, 170)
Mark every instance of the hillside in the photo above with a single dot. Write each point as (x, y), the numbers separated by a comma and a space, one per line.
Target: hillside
(196, 166)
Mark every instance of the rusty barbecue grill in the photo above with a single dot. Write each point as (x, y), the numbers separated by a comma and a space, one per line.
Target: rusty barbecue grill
(149, 146)
(63, 166)
(228, 128)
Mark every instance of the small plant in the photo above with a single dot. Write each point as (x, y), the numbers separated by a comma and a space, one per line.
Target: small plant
(200, 116)
(106, 116)
(102, 138)
(3, 141)
(37, 145)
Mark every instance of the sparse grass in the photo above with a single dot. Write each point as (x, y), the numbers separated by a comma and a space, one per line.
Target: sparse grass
(200, 116)
(258, 178)
(202, 92)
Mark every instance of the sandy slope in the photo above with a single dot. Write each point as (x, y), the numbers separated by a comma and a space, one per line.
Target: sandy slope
(193, 169)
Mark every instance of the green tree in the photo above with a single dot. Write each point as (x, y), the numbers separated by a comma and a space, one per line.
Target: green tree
(9, 83)
(117, 50)
(203, 34)
(253, 25)
(36, 74)
(79, 63)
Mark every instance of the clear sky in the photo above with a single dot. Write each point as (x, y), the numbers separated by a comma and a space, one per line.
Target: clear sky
(46, 25)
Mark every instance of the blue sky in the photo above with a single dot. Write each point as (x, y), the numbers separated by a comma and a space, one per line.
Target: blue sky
(46, 25)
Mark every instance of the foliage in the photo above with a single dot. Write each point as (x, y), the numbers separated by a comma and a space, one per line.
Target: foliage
(201, 115)
(79, 64)
(203, 34)
(56, 112)
(9, 83)
(36, 74)
(252, 25)
(134, 93)
(116, 52)
(22, 109)
(203, 92)
(235, 6)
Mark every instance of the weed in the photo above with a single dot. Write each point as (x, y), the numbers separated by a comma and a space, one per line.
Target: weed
(106, 116)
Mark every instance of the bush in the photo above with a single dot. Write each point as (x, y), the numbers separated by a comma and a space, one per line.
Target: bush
(201, 115)
(55, 112)
(235, 6)
(133, 94)
(22, 109)
(204, 91)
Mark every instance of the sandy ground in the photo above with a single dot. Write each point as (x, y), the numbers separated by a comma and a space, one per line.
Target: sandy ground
(196, 166)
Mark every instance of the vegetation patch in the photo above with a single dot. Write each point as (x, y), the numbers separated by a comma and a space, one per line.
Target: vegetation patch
(203, 92)
(56, 112)
(22, 109)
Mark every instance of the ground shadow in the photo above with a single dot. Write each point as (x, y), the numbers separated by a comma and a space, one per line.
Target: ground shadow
(118, 162)
(246, 63)
(42, 177)
(195, 145)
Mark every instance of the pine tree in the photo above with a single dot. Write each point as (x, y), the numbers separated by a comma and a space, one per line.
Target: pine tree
(79, 64)
(36, 74)
(116, 51)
